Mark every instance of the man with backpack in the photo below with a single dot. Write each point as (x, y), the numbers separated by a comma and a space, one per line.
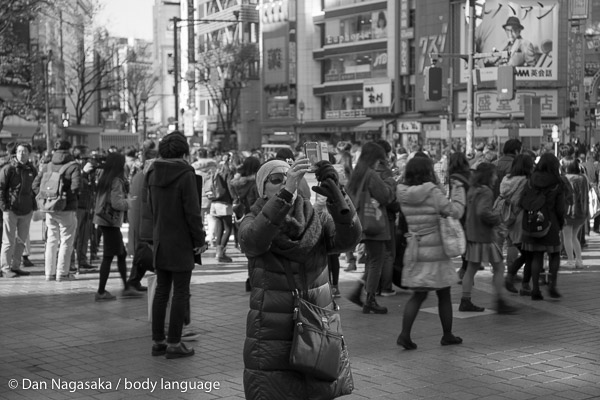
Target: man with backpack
(57, 188)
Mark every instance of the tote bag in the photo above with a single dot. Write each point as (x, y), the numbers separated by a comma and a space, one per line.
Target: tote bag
(370, 213)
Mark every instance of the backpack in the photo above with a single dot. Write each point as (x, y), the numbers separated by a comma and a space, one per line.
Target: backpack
(218, 189)
(536, 216)
(504, 209)
(52, 196)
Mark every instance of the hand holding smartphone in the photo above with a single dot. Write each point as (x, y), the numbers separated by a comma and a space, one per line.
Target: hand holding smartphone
(315, 152)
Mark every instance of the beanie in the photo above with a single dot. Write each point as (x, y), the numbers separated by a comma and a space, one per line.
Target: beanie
(268, 168)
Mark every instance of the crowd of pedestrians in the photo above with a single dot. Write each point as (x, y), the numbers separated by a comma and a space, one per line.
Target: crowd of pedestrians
(518, 209)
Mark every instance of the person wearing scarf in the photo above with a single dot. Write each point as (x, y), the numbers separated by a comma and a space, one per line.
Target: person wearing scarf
(283, 231)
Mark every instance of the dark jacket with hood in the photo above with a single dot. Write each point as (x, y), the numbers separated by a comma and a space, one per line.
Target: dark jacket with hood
(481, 218)
(16, 193)
(71, 177)
(177, 220)
(555, 202)
(503, 167)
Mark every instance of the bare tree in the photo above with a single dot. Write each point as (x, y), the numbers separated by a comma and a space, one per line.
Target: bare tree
(140, 83)
(223, 73)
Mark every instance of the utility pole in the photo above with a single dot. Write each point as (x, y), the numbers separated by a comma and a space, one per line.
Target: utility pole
(470, 91)
(176, 70)
(46, 59)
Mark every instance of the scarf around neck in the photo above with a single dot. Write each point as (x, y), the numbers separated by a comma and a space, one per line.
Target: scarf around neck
(298, 234)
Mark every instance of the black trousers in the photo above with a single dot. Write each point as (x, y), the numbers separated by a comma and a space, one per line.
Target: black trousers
(180, 282)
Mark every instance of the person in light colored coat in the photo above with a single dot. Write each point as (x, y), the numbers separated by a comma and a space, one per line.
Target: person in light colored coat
(423, 202)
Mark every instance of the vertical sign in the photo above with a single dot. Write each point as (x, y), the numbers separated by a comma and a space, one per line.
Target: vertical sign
(579, 9)
(576, 57)
(404, 50)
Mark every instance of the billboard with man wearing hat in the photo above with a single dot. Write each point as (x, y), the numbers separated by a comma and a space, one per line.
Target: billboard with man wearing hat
(526, 30)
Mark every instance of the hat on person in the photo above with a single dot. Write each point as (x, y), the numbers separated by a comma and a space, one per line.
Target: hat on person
(513, 21)
(268, 168)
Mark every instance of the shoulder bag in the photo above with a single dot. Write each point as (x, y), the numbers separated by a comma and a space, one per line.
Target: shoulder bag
(454, 241)
(318, 346)
(370, 213)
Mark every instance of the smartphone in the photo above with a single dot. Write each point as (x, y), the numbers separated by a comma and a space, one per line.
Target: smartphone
(312, 151)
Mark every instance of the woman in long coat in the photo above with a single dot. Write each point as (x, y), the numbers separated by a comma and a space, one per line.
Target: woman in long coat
(283, 231)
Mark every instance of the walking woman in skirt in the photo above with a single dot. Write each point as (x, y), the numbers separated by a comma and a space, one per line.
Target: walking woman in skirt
(481, 245)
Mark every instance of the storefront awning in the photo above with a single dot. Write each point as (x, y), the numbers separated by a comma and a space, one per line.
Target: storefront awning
(369, 126)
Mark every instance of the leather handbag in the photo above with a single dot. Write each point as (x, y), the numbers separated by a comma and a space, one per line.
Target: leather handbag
(318, 346)
(370, 213)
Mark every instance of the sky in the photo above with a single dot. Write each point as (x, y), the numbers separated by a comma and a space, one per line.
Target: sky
(128, 18)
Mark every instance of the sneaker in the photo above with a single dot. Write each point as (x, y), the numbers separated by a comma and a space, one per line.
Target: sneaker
(189, 336)
(467, 306)
(72, 268)
(388, 292)
(130, 292)
(178, 351)
(20, 272)
(94, 257)
(9, 273)
(224, 258)
(106, 296)
(68, 277)
(85, 265)
(27, 262)
(50, 277)
(139, 287)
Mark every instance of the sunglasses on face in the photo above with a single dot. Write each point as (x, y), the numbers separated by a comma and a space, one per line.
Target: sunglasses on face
(277, 178)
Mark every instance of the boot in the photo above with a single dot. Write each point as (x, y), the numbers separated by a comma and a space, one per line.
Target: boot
(372, 307)
(504, 308)
(509, 283)
(467, 306)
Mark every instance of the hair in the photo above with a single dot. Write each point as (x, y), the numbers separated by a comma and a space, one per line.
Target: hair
(62, 145)
(570, 165)
(284, 154)
(566, 150)
(512, 146)
(371, 153)
(421, 154)
(458, 163)
(385, 145)
(173, 145)
(202, 153)
(381, 17)
(23, 144)
(530, 154)
(402, 150)
(249, 167)
(343, 146)
(522, 165)
(550, 164)
(79, 151)
(483, 175)
(131, 153)
(419, 170)
(114, 167)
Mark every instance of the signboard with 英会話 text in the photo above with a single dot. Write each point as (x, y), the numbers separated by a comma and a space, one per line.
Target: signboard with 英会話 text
(525, 30)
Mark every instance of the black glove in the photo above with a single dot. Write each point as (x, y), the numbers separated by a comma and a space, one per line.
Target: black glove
(331, 190)
(326, 171)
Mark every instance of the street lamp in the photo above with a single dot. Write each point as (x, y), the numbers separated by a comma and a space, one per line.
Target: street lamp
(46, 60)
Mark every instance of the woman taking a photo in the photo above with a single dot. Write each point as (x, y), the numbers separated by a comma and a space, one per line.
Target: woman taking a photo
(111, 203)
(284, 232)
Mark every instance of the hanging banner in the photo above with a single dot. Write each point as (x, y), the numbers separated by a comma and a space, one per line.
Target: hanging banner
(526, 29)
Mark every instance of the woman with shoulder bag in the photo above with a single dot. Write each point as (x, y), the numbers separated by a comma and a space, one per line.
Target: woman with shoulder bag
(460, 170)
(423, 203)
(221, 210)
(111, 203)
(283, 233)
(365, 182)
(482, 242)
(579, 212)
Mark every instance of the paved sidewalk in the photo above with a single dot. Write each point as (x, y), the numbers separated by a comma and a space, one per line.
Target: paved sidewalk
(57, 343)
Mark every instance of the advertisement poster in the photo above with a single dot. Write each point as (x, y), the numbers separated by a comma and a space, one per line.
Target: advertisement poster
(527, 30)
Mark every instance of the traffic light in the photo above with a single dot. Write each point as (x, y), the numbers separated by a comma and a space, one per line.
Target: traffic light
(506, 84)
(432, 86)
(65, 119)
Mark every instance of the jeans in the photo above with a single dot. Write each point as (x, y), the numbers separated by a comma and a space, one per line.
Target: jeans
(15, 231)
(62, 226)
(181, 294)
(82, 237)
(376, 256)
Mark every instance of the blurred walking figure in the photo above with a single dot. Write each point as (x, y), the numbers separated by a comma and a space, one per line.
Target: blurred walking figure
(366, 178)
(17, 202)
(177, 236)
(578, 212)
(111, 204)
(423, 202)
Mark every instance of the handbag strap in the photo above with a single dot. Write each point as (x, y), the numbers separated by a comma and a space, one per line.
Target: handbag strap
(292, 285)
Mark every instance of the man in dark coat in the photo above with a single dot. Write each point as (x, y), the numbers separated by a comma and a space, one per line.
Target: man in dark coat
(177, 235)
(17, 202)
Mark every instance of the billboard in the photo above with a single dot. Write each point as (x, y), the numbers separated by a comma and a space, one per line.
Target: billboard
(527, 30)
